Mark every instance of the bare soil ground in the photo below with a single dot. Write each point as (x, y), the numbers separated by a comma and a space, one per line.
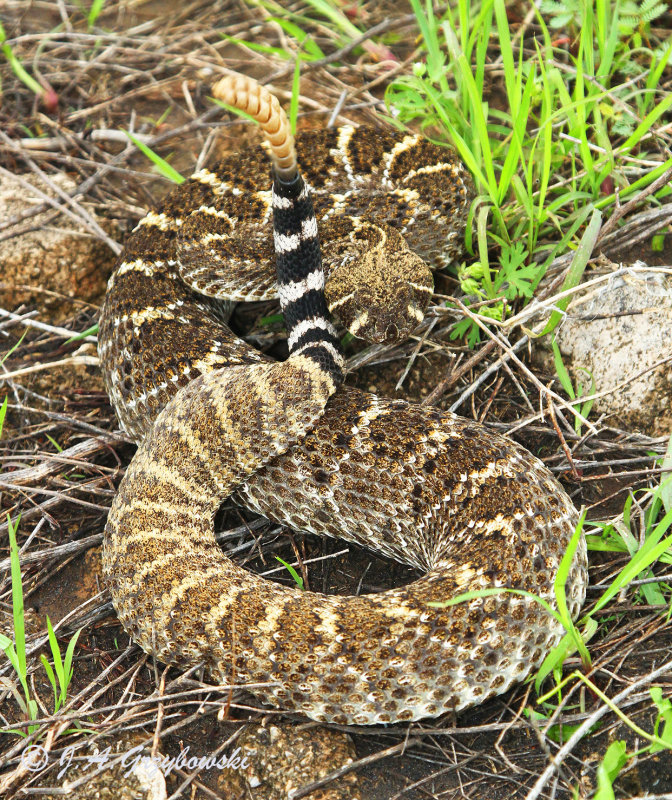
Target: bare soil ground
(147, 67)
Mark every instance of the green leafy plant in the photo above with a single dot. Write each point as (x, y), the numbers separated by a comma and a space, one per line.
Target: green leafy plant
(329, 15)
(557, 732)
(633, 15)
(617, 756)
(662, 728)
(613, 761)
(656, 546)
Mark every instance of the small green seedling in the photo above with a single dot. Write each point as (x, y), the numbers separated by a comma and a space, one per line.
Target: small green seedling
(298, 580)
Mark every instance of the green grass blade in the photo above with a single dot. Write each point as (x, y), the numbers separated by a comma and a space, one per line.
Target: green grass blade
(656, 72)
(17, 66)
(506, 50)
(478, 114)
(92, 331)
(464, 597)
(482, 234)
(311, 51)
(515, 150)
(238, 112)
(161, 164)
(296, 93)
(3, 412)
(553, 660)
(578, 265)
(94, 12)
(7, 645)
(17, 602)
(52, 679)
(255, 47)
(55, 651)
(58, 447)
(646, 124)
(298, 580)
(666, 484)
(640, 183)
(69, 654)
(13, 347)
(647, 555)
(546, 133)
(607, 43)
(337, 17)
(561, 371)
(560, 583)
(17, 654)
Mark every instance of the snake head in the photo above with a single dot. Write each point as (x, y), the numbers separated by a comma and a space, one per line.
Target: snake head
(377, 287)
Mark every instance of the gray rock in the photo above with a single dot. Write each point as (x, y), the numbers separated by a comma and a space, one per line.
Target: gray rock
(619, 331)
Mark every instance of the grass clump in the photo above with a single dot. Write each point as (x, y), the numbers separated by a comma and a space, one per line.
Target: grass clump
(554, 152)
(60, 674)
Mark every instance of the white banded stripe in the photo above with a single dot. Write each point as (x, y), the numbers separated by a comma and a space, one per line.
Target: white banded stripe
(295, 290)
(359, 322)
(211, 179)
(344, 136)
(161, 221)
(308, 325)
(421, 287)
(334, 352)
(147, 268)
(442, 166)
(287, 243)
(341, 300)
(415, 312)
(400, 147)
(214, 212)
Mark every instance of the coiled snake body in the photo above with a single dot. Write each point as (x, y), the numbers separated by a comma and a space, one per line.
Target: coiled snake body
(470, 508)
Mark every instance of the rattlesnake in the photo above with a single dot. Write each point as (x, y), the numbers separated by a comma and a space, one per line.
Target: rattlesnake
(470, 508)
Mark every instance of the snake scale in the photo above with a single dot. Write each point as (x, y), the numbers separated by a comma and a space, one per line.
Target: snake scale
(215, 419)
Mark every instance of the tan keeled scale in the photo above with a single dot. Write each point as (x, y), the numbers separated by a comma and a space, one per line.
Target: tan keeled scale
(469, 507)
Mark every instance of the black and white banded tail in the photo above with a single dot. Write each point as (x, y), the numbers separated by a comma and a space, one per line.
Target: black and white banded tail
(300, 277)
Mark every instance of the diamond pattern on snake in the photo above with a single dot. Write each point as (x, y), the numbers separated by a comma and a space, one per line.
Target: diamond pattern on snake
(215, 419)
